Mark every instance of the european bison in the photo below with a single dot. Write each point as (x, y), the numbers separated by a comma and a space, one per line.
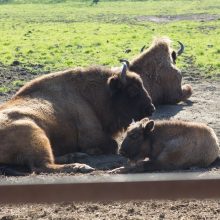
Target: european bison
(68, 111)
(169, 145)
(160, 76)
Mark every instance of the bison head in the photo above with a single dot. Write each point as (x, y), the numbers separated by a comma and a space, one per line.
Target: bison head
(160, 76)
(129, 97)
(136, 145)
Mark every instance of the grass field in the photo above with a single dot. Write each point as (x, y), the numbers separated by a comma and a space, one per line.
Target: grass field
(48, 35)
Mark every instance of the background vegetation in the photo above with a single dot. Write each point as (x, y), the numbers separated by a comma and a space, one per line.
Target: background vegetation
(46, 35)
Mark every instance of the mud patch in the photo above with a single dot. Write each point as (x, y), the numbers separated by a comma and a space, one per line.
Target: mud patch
(186, 17)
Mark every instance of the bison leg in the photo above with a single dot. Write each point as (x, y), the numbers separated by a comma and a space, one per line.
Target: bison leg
(175, 155)
(25, 143)
(64, 168)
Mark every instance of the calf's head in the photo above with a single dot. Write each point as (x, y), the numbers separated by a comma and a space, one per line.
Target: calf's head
(161, 77)
(137, 144)
(129, 97)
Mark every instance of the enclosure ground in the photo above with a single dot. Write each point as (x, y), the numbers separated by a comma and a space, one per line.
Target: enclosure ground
(203, 106)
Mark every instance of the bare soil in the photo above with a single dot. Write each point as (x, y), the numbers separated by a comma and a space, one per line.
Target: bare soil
(10, 74)
(185, 17)
(203, 106)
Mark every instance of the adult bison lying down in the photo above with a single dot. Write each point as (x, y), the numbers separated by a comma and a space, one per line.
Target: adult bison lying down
(63, 112)
(160, 76)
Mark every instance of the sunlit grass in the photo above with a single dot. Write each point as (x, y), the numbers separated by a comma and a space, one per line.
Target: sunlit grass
(46, 37)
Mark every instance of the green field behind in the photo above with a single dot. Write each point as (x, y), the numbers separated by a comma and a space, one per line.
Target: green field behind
(52, 34)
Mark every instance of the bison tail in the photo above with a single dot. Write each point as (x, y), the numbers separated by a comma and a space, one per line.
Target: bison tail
(10, 170)
(186, 92)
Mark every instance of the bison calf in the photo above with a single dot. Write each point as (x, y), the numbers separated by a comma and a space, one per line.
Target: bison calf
(69, 111)
(169, 145)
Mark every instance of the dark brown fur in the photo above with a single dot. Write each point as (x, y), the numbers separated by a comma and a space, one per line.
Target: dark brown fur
(160, 76)
(68, 111)
(169, 145)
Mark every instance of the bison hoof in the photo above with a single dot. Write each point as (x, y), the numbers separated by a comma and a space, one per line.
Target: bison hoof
(118, 170)
(78, 168)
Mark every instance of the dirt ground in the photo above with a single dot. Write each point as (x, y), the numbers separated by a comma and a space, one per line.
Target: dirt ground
(203, 106)
(183, 17)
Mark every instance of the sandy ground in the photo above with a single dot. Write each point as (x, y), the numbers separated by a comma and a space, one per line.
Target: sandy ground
(203, 106)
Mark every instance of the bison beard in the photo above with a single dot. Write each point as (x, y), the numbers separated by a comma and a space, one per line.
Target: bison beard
(69, 111)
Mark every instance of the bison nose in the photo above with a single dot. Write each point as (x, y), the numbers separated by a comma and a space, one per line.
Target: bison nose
(122, 152)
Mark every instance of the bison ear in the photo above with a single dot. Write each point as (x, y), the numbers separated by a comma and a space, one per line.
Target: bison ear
(114, 84)
(148, 127)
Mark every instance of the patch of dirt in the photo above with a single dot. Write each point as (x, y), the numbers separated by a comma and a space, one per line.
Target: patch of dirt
(10, 74)
(138, 210)
(203, 106)
(186, 17)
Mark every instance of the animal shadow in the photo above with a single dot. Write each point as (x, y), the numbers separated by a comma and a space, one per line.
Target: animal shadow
(168, 111)
(98, 162)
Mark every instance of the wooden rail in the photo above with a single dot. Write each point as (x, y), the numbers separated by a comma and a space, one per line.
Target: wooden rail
(53, 189)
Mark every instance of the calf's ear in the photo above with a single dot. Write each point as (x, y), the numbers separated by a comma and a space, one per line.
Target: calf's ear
(148, 127)
(114, 84)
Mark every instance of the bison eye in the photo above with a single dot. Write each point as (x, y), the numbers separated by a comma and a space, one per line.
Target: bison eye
(133, 91)
(134, 135)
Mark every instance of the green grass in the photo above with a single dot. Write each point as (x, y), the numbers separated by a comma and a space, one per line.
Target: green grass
(4, 89)
(47, 37)
(18, 83)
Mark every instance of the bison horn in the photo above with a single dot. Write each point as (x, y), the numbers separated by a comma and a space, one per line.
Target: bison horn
(125, 61)
(123, 72)
(142, 49)
(180, 51)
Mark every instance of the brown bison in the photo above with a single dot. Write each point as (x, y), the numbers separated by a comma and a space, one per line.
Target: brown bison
(169, 145)
(63, 112)
(160, 76)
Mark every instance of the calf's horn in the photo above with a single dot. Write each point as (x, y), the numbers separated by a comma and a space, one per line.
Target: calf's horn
(180, 51)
